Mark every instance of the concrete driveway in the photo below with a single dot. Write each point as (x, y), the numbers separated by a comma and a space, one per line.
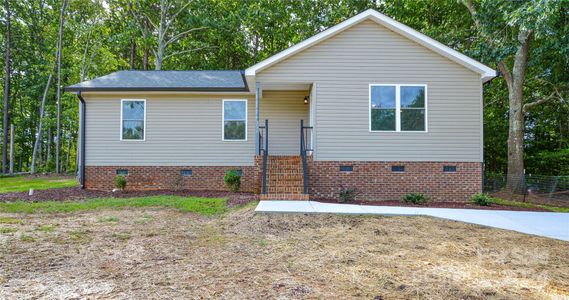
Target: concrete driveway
(546, 224)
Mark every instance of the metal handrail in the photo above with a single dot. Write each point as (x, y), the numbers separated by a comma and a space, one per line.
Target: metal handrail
(303, 150)
(265, 151)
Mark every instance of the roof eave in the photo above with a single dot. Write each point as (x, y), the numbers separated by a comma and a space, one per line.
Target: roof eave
(486, 72)
(154, 89)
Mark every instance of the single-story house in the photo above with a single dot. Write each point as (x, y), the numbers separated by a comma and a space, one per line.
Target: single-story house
(369, 104)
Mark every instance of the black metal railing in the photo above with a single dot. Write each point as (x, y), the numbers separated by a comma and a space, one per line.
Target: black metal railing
(305, 147)
(264, 150)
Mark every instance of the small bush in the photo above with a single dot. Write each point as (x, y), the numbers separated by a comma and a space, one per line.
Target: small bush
(120, 182)
(416, 198)
(348, 195)
(481, 199)
(232, 180)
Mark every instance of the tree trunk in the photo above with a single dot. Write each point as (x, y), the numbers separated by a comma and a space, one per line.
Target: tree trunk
(39, 134)
(6, 119)
(145, 61)
(515, 82)
(132, 52)
(68, 154)
(59, 54)
(48, 157)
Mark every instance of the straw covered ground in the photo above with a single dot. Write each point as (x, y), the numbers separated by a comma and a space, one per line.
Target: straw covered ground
(164, 253)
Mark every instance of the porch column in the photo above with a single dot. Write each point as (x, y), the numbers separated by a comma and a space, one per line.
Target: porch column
(257, 99)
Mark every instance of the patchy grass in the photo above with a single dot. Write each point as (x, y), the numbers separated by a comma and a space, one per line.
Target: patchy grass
(10, 220)
(245, 255)
(529, 205)
(204, 206)
(109, 219)
(47, 228)
(7, 229)
(24, 183)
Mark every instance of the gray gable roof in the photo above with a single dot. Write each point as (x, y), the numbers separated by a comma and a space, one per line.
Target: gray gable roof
(165, 81)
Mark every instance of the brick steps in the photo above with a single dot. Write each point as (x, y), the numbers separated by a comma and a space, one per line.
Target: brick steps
(297, 197)
(284, 179)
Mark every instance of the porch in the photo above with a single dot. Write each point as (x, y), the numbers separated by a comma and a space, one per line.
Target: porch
(284, 118)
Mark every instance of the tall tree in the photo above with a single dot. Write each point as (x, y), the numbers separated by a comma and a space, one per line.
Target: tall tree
(163, 28)
(509, 27)
(6, 117)
(59, 55)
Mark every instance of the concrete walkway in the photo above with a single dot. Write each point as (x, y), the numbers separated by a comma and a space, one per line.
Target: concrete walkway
(547, 224)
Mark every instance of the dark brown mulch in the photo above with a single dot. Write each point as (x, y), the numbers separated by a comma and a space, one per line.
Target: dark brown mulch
(464, 205)
(75, 193)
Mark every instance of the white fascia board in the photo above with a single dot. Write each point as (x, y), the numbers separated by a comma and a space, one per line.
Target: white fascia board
(486, 72)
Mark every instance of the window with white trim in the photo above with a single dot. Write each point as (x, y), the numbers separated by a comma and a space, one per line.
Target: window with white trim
(234, 120)
(398, 107)
(133, 120)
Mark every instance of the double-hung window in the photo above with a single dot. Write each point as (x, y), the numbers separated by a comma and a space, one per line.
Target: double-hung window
(398, 107)
(234, 120)
(133, 120)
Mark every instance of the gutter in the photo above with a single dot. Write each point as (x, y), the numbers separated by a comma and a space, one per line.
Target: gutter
(82, 130)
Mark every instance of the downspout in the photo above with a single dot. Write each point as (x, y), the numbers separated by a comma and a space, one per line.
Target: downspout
(82, 130)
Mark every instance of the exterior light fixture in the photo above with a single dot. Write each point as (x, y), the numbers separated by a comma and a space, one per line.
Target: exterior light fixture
(306, 99)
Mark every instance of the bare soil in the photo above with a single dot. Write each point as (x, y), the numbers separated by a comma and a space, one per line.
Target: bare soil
(162, 253)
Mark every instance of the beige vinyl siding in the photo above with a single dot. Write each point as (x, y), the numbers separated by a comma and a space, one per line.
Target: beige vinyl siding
(181, 130)
(342, 68)
(284, 110)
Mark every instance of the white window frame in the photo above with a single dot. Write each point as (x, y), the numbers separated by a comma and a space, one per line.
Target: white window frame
(398, 107)
(223, 119)
(121, 121)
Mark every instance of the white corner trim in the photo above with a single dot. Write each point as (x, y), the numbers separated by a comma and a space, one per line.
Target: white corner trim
(486, 72)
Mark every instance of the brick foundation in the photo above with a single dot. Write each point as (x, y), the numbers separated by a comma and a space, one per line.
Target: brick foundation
(375, 181)
(163, 177)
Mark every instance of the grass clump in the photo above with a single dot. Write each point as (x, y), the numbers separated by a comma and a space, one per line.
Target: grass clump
(7, 230)
(23, 183)
(416, 198)
(203, 206)
(47, 228)
(109, 219)
(10, 220)
(529, 205)
(481, 199)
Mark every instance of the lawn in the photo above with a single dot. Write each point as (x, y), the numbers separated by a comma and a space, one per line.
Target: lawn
(165, 247)
(205, 206)
(24, 183)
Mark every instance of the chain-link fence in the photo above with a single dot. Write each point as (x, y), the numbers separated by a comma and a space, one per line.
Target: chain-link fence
(552, 190)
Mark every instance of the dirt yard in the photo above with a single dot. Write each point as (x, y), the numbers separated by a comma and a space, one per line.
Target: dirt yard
(162, 253)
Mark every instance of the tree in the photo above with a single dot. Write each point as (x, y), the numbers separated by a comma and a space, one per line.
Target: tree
(507, 29)
(163, 29)
(6, 117)
(59, 55)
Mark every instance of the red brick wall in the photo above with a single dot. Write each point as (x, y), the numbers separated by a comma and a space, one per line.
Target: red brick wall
(163, 177)
(375, 181)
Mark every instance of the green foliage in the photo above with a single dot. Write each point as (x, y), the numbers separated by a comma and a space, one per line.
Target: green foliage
(23, 183)
(238, 34)
(481, 199)
(204, 206)
(529, 205)
(120, 182)
(416, 198)
(232, 180)
(348, 194)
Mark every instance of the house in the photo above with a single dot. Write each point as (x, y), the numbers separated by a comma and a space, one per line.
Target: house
(369, 104)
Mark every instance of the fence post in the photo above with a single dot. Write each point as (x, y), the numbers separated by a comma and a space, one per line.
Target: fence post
(552, 189)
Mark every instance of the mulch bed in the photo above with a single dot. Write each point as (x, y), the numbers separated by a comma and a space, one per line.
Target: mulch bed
(465, 205)
(76, 193)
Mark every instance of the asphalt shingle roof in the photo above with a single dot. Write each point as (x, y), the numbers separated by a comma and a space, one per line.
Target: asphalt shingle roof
(165, 81)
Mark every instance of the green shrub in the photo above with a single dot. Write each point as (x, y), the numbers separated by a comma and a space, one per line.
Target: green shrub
(416, 198)
(232, 180)
(120, 182)
(481, 199)
(348, 195)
